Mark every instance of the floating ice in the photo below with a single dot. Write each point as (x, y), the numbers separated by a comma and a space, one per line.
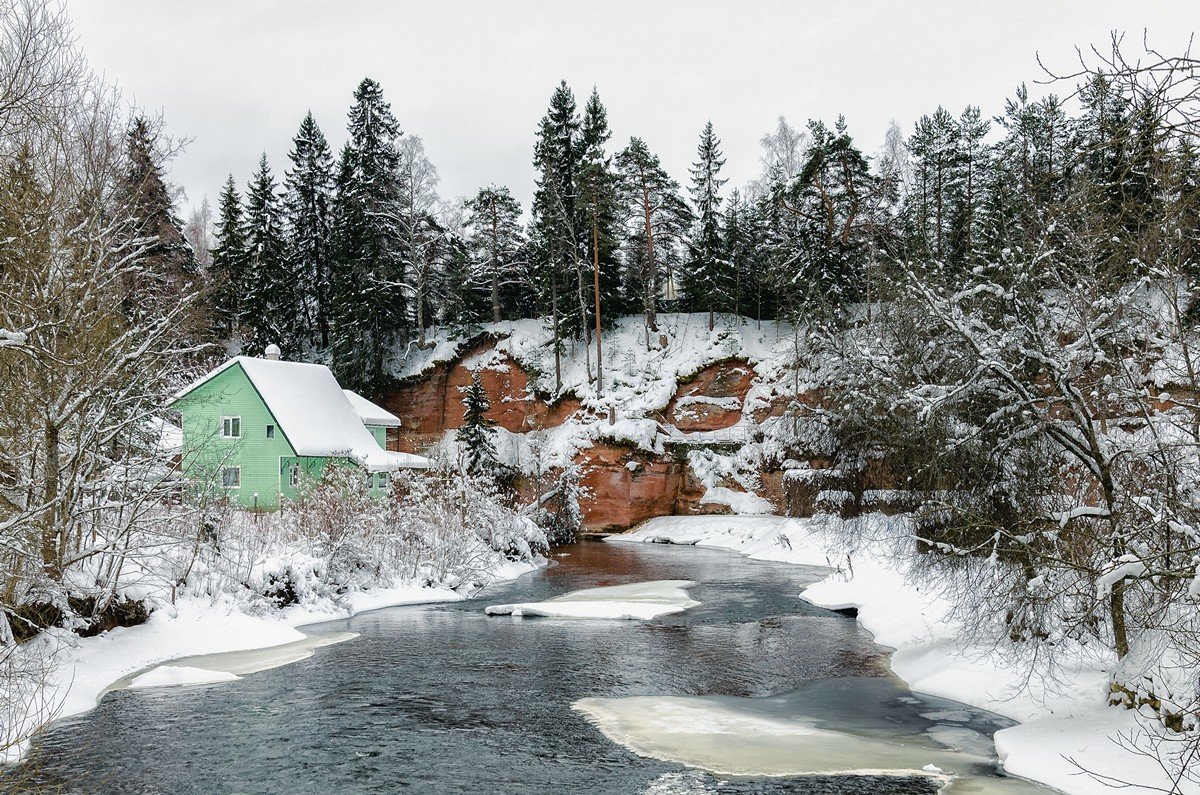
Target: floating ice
(251, 661)
(230, 666)
(171, 675)
(636, 601)
(712, 734)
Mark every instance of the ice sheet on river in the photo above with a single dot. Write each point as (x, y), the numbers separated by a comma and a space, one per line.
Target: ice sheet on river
(729, 736)
(637, 601)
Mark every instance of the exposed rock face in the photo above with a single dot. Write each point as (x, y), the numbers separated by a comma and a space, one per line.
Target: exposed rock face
(627, 485)
(429, 406)
(713, 399)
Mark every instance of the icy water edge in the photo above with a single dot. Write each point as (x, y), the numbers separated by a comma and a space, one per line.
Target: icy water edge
(442, 698)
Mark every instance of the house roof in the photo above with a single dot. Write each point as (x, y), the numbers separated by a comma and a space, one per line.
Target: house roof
(313, 412)
(371, 414)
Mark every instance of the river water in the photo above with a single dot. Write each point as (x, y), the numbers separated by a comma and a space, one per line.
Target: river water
(443, 699)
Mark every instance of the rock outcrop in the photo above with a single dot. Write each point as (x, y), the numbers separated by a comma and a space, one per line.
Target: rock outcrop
(626, 483)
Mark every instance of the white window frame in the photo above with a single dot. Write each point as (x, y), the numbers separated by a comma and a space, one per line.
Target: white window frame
(237, 470)
(270, 432)
(230, 421)
(294, 476)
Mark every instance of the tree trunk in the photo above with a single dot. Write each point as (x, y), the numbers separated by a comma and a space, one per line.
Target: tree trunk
(495, 266)
(51, 551)
(557, 347)
(596, 292)
(651, 266)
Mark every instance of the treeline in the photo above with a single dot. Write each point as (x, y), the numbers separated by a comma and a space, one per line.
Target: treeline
(355, 255)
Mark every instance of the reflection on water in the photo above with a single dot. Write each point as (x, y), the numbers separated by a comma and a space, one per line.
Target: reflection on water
(442, 699)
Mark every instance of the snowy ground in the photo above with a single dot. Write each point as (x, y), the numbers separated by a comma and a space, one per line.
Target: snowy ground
(639, 601)
(87, 668)
(1058, 723)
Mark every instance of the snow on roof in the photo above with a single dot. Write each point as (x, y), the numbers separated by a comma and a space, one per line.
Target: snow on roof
(371, 414)
(314, 413)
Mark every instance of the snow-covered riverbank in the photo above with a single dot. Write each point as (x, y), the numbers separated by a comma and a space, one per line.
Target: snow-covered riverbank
(1064, 724)
(82, 670)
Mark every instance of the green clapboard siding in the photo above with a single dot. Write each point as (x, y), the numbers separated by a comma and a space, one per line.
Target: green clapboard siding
(265, 463)
(230, 394)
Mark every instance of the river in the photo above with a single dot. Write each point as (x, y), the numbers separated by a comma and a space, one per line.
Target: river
(443, 699)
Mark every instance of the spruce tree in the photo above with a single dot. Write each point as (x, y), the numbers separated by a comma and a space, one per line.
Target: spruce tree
(596, 195)
(270, 308)
(230, 260)
(555, 225)
(165, 266)
(308, 188)
(478, 452)
(707, 281)
(596, 191)
(369, 311)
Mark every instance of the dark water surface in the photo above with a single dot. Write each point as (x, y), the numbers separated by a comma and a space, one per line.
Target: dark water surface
(442, 699)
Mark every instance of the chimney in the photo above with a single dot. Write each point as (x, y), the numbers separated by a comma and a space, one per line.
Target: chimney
(272, 352)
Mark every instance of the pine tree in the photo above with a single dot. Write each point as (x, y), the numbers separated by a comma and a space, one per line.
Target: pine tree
(835, 204)
(495, 239)
(707, 280)
(308, 188)
(369, 307)
(230, 260)
(936, 157)
(658, 220)
(270, 308)
(475, 436)
(967, 193)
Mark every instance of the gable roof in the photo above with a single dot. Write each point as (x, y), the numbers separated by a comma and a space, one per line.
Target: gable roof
(370, 413)
(313, 412)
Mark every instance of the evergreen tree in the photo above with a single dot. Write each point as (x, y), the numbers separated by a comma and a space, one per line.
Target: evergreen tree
(936, 156)
(596, 191)
(835, 204)
(230, 261)
(595, 187)
(270, 306)
(967, 190)
(495, 240)
(166, 267)
(708, 280)
(555, 224)
(478, 452)
(308, 188)
(369, 311)
(657, 219)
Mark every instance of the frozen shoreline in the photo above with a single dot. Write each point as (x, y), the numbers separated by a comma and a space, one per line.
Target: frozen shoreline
(85, 669)
(1054, 724)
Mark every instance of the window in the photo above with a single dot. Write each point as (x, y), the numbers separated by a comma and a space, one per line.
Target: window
(381, 479)
(293, 475)
(270, 431)
(231, 477)
(231, 427)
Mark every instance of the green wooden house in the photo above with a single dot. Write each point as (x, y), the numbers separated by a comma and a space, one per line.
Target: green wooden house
(262, 429)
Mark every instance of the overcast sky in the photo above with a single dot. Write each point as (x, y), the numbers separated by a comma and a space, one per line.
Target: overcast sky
(473, 78)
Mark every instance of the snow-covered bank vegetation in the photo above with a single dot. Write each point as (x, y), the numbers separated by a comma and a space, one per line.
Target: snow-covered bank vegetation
(1068, 737)
(230, 579)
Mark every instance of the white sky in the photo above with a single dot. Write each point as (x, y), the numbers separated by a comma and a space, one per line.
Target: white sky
(473, 78)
